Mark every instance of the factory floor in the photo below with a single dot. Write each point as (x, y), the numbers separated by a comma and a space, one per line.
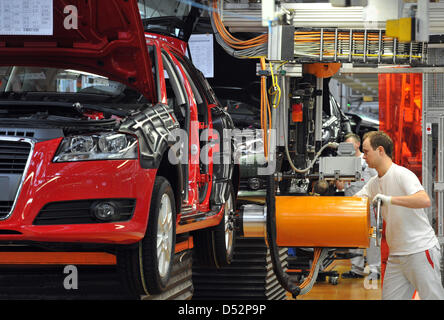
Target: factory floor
(346, 289)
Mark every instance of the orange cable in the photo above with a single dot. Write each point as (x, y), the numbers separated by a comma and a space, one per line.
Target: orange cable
(264, 108)
(316, 254)
(230, 39)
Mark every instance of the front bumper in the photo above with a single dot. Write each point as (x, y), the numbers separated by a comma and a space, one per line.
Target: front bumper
(46, 182)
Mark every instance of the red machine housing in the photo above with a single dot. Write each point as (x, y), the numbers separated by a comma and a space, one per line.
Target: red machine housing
(400, 116)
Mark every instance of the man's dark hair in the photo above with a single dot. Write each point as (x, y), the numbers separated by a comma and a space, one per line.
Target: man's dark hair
(380, 139)
(354, 136)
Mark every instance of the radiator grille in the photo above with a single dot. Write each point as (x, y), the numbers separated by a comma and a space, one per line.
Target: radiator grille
(13, 156)
(17, 133)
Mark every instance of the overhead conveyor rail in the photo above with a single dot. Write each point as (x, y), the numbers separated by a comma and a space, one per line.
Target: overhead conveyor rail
(246, 17)
(345, 43)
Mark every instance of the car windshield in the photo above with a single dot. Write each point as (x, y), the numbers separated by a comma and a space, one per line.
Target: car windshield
(18, 79)
(155, 9)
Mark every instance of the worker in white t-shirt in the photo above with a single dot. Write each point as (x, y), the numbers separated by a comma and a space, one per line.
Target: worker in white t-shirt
(414, 252)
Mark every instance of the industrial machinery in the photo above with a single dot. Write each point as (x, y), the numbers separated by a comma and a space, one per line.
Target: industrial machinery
(298, 47)
(298, 52)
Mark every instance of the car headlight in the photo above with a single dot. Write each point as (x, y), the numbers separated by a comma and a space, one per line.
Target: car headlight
(106, 146)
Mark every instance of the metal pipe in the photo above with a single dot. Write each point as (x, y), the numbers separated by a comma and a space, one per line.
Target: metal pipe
(380, 46)
(321, 49)
(365, 45)
(395, 43)
(318, 115)
(440, 165)
(350, 46)
(336, 46)
(253, 219)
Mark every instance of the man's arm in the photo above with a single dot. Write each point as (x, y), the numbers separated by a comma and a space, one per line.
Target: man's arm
(417, 200)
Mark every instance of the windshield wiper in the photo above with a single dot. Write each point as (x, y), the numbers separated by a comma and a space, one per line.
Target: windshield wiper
(79, 107)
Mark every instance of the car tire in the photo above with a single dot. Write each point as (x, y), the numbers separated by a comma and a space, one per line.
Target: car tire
(214, 247)
(146, 267)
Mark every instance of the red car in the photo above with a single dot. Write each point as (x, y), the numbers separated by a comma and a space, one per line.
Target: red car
(89, 118)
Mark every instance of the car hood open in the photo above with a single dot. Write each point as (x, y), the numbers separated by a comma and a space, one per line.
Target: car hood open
(108, 39)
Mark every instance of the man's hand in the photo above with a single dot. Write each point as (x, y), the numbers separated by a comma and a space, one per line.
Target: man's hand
(384, 199)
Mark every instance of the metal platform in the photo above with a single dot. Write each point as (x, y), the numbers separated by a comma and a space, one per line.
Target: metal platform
(250, 276)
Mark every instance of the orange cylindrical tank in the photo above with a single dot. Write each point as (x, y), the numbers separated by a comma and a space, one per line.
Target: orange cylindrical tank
(336, 222)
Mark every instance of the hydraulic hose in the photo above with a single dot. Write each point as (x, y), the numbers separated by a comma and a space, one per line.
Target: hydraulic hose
(319, 254)
(287, 153)
(281, 276)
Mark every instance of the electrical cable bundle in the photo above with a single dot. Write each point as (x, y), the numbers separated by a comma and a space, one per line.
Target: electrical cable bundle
(265, 108)
(243, 49)
(255, 48)
(344, 44)
(330, 43)
(319, 255)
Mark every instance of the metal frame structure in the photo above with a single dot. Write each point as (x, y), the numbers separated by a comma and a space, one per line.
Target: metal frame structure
(358, 57)
(362, 48)
(433, 141)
